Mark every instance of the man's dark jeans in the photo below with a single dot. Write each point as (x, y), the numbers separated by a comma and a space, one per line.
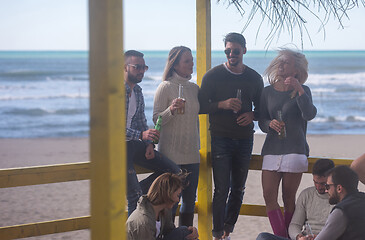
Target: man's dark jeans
(136, 155)
(230, 161)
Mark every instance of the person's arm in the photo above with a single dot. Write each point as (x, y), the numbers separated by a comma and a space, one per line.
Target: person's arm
(138, 120)
(142, 231)
(264, 119)
(335, 226)
(304, 101)
(358, 165)
(299, 217)
(205, 93)
(161, 104)
(257, 99)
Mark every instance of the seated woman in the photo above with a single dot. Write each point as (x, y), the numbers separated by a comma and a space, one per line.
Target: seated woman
(152, 218)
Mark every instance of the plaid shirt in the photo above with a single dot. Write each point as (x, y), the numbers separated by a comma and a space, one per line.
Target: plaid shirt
(139, 121)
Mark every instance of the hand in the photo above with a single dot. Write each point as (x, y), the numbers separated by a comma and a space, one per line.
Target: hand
(294, 83)
(194, 233)
(150, 153)
(245, 118)
(276, 125)
(177, 103)
(231, 104)
(307, 237)
(151, 134)
(225, 234)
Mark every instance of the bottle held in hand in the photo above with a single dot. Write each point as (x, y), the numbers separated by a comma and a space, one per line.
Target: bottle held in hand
(282, 133)
(158, 127)
(309, 230)
(238, 96)
(181, 96)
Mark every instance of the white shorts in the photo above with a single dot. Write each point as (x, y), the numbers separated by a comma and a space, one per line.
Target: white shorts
(294, 163)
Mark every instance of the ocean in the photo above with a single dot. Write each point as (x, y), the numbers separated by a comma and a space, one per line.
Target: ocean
(46, 93)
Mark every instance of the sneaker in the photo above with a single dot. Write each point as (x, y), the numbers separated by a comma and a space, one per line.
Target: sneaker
(227, 238)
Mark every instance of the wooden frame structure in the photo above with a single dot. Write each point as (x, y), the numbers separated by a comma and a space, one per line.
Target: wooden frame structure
(106, 168)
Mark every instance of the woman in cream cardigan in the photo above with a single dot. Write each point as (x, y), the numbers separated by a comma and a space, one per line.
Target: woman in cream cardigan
(179, 135)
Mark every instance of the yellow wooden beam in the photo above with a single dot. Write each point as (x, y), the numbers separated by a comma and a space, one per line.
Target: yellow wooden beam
(16, 177)
(203, 55)
(253, 210)
(44, 174)
(43, 228)
(107, 120)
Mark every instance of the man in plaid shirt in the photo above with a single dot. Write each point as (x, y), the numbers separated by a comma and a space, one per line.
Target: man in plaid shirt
(140, 149)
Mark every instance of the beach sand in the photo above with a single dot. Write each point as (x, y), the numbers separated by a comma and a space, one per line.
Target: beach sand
(64, 200)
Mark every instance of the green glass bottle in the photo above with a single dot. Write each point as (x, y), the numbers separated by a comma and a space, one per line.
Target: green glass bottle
(158, 126)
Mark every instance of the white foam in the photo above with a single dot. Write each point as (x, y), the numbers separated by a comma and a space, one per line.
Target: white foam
(337, 79)
(75, 95)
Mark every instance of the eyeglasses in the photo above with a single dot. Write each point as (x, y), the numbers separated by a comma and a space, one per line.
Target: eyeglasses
(327, 186)
(139, 67)
(320, 183)
(234, 51)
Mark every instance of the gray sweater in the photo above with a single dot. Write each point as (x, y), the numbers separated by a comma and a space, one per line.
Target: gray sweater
(310, 207)
(295, 113)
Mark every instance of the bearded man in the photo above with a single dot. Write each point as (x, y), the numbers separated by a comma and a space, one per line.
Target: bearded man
(347, 218)
(140, 149)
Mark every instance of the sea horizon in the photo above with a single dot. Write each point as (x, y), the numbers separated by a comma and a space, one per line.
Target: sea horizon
(46, 93)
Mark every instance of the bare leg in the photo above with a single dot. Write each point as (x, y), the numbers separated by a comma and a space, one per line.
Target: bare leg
(270, 187)
(290, 186)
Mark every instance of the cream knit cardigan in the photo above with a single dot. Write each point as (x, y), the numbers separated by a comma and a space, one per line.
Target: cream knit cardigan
(179, 135)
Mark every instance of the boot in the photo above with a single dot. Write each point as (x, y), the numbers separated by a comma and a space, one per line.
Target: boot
(186, 219)
(287, 217)
(277, 223)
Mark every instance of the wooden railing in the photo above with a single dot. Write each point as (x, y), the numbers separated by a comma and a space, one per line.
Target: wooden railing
(27, 176)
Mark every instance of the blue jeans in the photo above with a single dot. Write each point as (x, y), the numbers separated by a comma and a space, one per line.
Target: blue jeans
(269, 236)
(136, 155)
(230, 162)
(188, 194)
(179, 233)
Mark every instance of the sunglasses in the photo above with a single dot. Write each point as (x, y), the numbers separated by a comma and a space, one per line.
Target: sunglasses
(234, 51)
(328, 186)
(139, 67)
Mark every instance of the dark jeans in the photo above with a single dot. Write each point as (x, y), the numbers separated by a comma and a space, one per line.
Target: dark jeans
(188, 194)
(269, 236)
(136, 155)
(230, 162)
(179, 233)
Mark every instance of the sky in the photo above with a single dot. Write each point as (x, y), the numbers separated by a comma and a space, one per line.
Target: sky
(157, 25)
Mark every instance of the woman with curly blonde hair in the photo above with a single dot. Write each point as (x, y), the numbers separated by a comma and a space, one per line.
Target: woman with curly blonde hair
(286, 107)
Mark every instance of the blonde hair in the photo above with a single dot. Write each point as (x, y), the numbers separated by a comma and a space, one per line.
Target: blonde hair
(300, 63)
(173, 59)
(164, 186)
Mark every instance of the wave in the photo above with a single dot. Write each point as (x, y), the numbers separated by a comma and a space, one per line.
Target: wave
(43, 112)
(333, 119)
(337, 79)
(75, 95)
(23, 73)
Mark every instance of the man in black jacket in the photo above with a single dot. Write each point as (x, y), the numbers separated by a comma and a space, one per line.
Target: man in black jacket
(347, 218)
